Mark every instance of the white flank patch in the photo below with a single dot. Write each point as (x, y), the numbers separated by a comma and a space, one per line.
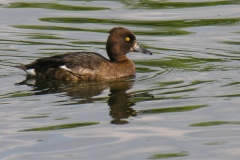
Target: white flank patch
(31, 72)
(65, 68)
(31, 81)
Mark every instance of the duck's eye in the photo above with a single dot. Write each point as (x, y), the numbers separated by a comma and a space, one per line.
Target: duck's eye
(127, 39)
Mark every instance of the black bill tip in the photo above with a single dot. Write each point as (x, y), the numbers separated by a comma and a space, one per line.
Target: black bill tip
(138, 48)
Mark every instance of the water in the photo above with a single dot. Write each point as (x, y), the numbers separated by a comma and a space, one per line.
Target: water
(182, 104)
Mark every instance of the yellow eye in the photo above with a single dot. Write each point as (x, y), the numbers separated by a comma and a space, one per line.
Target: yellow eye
(127, 39)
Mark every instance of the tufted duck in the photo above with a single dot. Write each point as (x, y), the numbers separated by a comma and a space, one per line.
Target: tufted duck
(88, 66)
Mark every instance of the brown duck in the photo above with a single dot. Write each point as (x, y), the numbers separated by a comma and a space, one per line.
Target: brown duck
(89, 66)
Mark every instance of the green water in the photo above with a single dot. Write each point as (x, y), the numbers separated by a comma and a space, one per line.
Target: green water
(182, 104)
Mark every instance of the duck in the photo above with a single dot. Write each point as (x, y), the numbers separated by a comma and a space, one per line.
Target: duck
(90, 66)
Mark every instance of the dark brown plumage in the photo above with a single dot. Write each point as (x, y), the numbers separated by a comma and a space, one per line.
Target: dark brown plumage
(88, 66)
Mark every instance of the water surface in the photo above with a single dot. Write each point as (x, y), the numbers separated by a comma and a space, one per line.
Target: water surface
(182, 104)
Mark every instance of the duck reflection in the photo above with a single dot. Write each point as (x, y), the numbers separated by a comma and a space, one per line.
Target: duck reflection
(120, 105)
(118, 100)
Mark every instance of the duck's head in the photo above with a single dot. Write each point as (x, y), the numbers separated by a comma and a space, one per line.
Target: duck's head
(120, 42)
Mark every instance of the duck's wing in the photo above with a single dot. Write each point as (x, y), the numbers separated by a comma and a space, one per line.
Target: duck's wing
(81, 61)
(77, 63)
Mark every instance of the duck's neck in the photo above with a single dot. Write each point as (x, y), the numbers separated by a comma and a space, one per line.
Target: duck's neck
(116, 57)
(120, 58)
(114, 52)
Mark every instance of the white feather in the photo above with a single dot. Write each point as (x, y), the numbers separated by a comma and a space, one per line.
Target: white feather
(31, 72)
(65, 68)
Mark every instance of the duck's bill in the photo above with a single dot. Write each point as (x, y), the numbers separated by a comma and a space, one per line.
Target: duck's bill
(138, 48)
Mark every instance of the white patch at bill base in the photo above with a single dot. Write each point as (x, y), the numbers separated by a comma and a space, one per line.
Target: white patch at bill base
(31, 72)
(65, 68)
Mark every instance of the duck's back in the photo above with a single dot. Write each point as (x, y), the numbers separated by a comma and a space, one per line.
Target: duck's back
(68, 66)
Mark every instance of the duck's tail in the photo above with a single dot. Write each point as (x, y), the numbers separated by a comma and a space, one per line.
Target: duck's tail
(23, 67)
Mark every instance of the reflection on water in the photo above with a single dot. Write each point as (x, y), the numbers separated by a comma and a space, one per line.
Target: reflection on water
(118, 100)
(63, 126)
(168, 155)
(52, 6)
